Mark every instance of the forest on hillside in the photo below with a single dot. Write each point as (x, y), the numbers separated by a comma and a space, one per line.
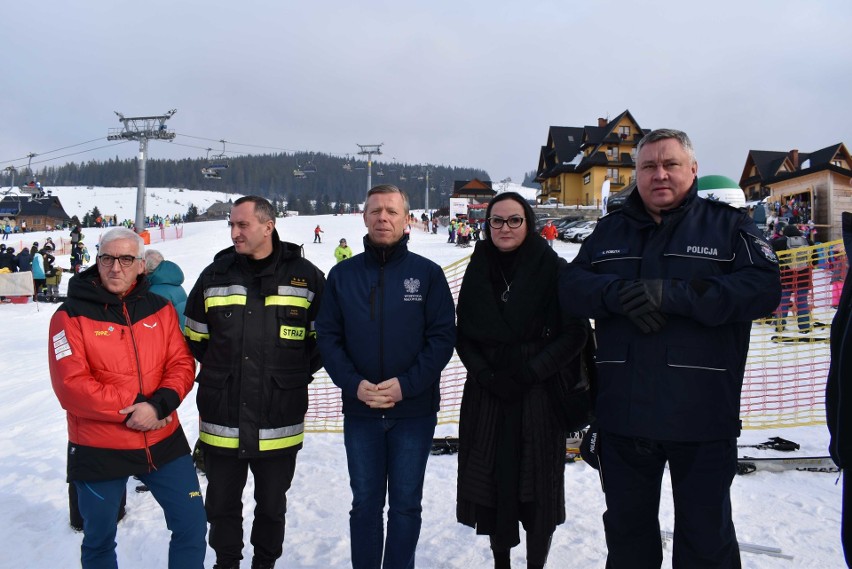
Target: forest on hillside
(308, 182)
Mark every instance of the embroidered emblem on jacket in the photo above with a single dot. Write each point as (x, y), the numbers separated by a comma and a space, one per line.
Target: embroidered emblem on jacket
(412, 287)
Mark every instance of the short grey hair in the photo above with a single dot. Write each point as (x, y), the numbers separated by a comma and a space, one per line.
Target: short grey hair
(122, 233)
(153, 258)
(389, 189)
(665, 134)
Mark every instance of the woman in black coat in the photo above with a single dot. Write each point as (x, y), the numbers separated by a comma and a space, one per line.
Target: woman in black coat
(516, 346)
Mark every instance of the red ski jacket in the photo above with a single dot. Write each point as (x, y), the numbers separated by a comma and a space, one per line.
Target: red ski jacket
(107, 353)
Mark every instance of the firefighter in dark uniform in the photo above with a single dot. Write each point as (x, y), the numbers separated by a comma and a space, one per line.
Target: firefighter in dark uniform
(249, 321)
(673, 282)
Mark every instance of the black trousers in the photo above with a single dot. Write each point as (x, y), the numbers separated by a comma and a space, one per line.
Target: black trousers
(226, 479)
(845, 521)
(701, 475)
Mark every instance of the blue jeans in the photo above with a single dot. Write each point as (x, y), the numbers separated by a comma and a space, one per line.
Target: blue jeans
(175, 487)
(386, 456)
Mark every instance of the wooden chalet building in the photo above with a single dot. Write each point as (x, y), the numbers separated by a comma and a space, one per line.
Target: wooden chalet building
(821, 181)
(476, 190)
(38, 213)
(574, 163)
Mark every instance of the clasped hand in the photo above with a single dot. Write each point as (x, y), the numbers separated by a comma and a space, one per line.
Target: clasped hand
(641, 301)
(382, 395)
(143, 417)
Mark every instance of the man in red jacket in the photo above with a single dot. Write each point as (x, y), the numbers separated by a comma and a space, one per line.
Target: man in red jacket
(549, 232)
(120, 368)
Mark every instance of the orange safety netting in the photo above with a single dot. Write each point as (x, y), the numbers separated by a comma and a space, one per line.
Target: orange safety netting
(784, 384)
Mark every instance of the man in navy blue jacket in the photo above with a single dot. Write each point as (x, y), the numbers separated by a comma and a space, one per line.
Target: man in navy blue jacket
(673, 282)
(386, 329)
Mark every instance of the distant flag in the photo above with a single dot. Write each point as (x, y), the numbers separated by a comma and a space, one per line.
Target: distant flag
(604, 195)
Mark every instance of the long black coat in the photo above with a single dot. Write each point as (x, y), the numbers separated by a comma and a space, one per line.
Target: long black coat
(517, 441)
(839, 383)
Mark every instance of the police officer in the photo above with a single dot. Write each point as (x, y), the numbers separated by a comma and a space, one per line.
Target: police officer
(673, 282)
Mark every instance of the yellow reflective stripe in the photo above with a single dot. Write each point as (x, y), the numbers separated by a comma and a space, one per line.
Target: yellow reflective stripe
(277, 300)
(221, 442)
(285, 442)
(270, 439)
(291, 333)
(233, 299)
(194, 336)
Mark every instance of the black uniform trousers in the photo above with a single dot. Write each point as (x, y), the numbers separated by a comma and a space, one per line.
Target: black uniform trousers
(701, 475)
(226, 478)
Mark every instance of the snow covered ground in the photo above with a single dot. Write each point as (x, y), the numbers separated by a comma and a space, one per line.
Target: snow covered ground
(798, 512)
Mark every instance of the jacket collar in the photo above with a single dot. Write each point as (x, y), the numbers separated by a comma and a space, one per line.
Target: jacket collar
(384, 255)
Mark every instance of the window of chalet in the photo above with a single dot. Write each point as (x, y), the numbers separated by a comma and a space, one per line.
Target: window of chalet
(624, 131)
(587, 179)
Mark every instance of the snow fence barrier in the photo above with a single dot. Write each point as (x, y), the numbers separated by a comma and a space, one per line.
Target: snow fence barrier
(786, 370)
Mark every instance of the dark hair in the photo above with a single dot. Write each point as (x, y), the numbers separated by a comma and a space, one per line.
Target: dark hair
(262, 208)
(529, 216)
(791, 231)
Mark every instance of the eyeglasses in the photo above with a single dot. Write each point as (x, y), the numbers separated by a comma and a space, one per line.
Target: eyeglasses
(123, 260)
(513, 222)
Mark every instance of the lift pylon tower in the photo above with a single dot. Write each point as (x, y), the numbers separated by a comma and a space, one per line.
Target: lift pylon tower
(142, 129)
(368, 150)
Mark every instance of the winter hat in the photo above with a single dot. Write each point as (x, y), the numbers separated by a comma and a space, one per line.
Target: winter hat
(792, 231)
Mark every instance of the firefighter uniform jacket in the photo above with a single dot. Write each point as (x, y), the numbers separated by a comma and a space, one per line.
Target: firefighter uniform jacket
(683, 382)
(253, 332)
(107, 353)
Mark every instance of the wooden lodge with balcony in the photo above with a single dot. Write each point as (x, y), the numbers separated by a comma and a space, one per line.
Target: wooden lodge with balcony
(574, 163)
(819, 183)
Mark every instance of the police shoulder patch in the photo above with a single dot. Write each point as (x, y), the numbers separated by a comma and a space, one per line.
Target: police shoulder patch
(764, 248)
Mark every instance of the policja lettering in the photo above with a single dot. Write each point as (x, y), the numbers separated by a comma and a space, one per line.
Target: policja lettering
(702, 250)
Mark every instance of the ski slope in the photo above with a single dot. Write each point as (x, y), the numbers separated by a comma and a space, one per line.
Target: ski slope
(798, 512)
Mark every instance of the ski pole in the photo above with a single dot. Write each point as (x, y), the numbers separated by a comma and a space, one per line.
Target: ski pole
(747, 547)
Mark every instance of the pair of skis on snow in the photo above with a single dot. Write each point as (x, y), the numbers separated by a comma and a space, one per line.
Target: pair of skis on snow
(745, 464)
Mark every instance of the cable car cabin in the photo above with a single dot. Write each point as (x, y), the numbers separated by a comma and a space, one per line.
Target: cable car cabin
(347, 166)
(309, 168)
(380, 173)
(299, 174)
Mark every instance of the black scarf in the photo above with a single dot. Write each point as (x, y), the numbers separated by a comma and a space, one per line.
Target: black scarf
(530, 272)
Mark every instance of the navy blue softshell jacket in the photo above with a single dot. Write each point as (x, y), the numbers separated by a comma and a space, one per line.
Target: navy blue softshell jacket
(387, 313)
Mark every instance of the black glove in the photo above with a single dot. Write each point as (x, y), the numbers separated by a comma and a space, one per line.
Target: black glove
(501, 384)
(641, 300)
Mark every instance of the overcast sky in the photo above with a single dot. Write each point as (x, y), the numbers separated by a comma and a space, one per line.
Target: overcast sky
(453, 82)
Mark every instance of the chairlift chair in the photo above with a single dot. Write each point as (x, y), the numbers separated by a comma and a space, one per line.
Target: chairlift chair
(220, 161)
